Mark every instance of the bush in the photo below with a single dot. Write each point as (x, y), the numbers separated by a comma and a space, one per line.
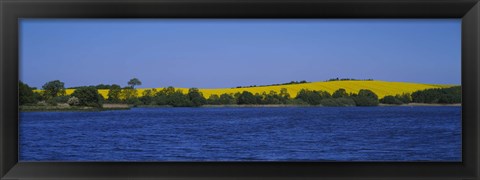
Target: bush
(366, 97)
(51, 102)
(247, 98)
(148, 96)
(196, 97)
(312, 97)
(128, 93)
(296, 102)
(337, 102)
(114, 94)
(275, 98)
(160, 99)
(340, 93)
(391, 100)
(365, 101)
(227, 99)
(135, 101)
(56, 100)
(214, 100)
(178, 99)
(88, 96)
(26, 94)
(54, 89)
(405, 97)
(438, 95)
(73, 101)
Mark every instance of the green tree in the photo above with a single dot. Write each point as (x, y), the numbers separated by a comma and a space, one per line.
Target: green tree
(312, 97)
(227, 99)
(284, 94)
(259, 99)
(338, 102)
(114, 94)
(214, 100)
(134, 82)
(339, 93)
(59, 99)
(169, 90)
(247, 98)
(178, 99)
(128, 93)
(438, 95)
(391, 100)
(196, 97)
(273, 98)
(405, 97)
(161, 98)
(148, 96)
(26, 94)
(54, 89)
(367, 93)
(366, 97)
(88, 96)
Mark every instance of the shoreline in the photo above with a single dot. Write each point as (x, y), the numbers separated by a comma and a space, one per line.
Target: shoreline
(114, 107)
(420, 104)
(66, 108)
(297, 105)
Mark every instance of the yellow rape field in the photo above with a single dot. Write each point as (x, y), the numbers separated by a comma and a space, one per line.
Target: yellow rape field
(381, 88)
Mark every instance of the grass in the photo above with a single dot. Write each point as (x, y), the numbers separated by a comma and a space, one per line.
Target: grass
(381, 88)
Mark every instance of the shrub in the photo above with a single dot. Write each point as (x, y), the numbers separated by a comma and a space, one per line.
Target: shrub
(391, 100)
(337, 102)
(275, 98)
(178, 99)
(366, 97)
(296, 101)
(312, 97)
(365, 101)
(128, 93)
(247, 98)
(196, 97)
(88, 96)
(160, 99)
(148, 96)
(54, 89)
(114, 94)
(26, 94)
(438, 95)
(340, 93)
(51, 102)
(135, 101)
(73, 101)
(56, 100)
(214, 100)
(405, 97)
(227, 99)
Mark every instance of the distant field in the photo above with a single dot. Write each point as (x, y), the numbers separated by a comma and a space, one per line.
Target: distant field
(381, 88)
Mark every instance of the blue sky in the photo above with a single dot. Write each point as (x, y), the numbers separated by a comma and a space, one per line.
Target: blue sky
(214, 53)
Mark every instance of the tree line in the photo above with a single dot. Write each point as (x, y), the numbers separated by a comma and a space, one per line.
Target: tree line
(54, 93)
(451, 95)
(347, 79)
(287, 83)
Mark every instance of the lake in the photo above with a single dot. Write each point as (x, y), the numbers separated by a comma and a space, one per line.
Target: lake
(397, 133)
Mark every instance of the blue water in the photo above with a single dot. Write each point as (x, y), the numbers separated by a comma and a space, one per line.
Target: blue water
(244, 134)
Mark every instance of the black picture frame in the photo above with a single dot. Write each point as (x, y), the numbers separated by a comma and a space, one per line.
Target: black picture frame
(12, 10)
